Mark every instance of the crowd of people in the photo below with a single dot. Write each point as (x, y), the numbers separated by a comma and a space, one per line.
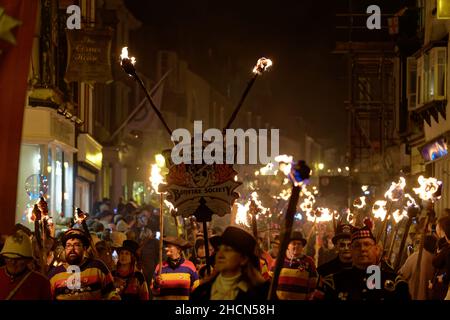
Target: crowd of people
(119, 259)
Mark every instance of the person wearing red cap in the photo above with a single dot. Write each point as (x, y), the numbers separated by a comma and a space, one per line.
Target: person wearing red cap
(17, 280)
(81, 278)
(353, 284)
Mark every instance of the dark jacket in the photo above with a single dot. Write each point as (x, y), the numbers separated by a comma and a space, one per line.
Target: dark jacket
(441, 262)
(333, 266)
(351, 284)
(259, 293)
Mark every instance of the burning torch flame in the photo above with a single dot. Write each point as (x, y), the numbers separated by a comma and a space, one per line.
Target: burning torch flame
(262, 65)
(323, 215)
(241, 214)
(360, 202)
(399, 215)
(284, 194)
(155, 177)
(428, 188)
(254, 197)
(379, 209)
(410, 202)
(395, 191)
(124, 56)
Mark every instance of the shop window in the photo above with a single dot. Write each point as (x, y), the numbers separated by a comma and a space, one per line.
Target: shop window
(431, 76)
(31, 183)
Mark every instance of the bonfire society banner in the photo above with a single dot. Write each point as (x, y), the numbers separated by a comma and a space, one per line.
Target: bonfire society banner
(88, 56)
(187, 184)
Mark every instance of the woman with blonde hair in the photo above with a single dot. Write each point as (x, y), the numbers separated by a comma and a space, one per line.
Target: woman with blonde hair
(236, 273)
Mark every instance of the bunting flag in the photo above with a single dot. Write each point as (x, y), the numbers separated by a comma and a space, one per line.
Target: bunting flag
(17, 28)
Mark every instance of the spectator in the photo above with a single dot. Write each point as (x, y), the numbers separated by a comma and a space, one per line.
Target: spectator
(128, 279)
(409, 272)
(440, 262)
(17, 280)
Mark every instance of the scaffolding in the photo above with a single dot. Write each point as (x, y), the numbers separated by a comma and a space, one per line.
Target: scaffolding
(371, 99)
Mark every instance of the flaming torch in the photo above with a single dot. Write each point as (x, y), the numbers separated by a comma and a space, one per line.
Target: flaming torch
(127, 65)
(262, 65)
(80, 218)
(156, 179)
(429, 190)
(394, 194)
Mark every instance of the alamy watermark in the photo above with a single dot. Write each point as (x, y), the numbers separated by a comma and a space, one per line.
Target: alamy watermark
(229, 147)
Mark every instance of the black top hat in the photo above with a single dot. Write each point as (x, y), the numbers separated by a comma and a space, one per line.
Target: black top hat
(75, 234)
(130, 245)
(296, 235)
(343, 231)
(181, 243)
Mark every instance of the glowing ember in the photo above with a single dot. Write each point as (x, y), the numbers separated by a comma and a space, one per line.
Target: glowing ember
(124, 55)
(395, 191)
(262, 65)
(360, 202)
(428, 189)
(379, 209)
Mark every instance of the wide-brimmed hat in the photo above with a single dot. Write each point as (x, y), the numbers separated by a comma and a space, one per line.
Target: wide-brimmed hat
(130, 245)
(297, 235)
(241, 241)
(117, 239)
(17, 246)
(75, 234)
(181, 243)
(343, 231)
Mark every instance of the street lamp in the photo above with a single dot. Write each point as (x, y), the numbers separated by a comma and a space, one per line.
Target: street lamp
(321, 166)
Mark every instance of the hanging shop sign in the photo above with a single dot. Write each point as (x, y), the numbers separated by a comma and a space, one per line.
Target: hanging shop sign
(89, 55)
(435, 150)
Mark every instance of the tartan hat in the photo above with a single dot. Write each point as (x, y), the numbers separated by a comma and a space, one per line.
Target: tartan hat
(343, 231)
(75, 234)
(364, 232)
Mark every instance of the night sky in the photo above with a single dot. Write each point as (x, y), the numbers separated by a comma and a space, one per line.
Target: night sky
(307, 80)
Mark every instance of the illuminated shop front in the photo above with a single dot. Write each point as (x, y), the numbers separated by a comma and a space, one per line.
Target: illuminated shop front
(46, 164)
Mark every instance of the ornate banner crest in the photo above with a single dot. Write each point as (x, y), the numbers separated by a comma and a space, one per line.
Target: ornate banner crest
(190, 186)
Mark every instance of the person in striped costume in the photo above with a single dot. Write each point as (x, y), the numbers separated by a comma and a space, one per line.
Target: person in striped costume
(178, 276)
(298, 277)
(80, 277)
